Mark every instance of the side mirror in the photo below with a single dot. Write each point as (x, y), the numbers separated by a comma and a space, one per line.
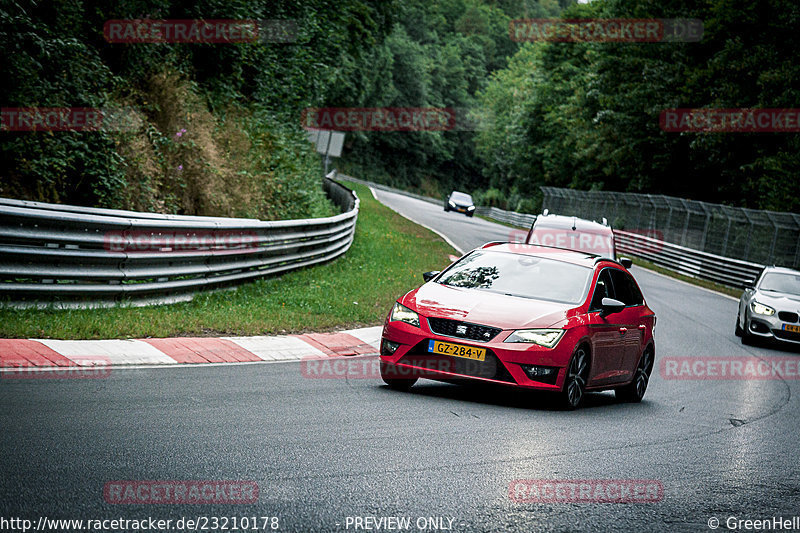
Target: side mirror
(611, 306)
(427, 276)
(626, 262)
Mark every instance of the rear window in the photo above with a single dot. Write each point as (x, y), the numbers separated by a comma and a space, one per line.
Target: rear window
(520, 275)
(599, 243)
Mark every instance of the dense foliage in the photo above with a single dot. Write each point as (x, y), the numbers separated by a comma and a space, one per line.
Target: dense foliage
(586, 115)
(218, 126)
(439, 55)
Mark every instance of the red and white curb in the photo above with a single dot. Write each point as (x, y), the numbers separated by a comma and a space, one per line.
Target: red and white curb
(47, 353)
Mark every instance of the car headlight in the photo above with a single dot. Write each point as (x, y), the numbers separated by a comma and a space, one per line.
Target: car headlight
(761, 309)
(543, 337)
(401, 313)
(471, 208)
(452, 204)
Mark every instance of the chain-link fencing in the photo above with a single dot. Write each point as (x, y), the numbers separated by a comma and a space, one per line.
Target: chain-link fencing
(765, 237)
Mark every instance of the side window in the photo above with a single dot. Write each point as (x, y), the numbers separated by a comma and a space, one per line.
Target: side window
(603, 289)
(625, 288)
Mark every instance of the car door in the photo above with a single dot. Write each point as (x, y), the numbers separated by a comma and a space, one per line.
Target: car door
(631, 321)
(605, 334)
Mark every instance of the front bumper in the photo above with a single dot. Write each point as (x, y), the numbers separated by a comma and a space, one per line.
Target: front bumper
(772, 327)
(503, 362)
(463, 209)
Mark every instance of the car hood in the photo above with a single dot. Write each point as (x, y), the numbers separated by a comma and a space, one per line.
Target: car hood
(484, 307)
(783, 302)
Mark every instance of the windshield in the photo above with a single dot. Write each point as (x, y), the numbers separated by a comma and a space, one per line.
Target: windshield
(461, 197)
(786, 283)
(520, 275)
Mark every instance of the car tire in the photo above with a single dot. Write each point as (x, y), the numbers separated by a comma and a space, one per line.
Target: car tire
(575, 380)
(634, 391)
(400, 384)
(739, 329)
(747, 338)
(470, 215)
(396, 383)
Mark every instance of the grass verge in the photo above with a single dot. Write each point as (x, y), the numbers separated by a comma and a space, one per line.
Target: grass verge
(386, 260)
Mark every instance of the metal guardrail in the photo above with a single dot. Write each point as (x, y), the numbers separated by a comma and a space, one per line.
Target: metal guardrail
(693, 263)
(522, 220)
(68, 256)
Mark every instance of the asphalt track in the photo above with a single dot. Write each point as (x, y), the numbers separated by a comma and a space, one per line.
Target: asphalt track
(323, 450)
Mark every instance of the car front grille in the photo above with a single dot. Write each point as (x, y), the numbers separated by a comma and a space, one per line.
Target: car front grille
(787, 316)
(462, 330)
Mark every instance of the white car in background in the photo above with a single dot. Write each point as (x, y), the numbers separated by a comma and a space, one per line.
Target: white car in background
(460, 202)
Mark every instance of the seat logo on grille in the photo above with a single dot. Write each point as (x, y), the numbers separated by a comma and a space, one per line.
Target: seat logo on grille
(461, 330)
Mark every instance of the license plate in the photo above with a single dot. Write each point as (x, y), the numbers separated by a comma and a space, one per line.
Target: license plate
(457, 350)
(792, 328)
(462, 209)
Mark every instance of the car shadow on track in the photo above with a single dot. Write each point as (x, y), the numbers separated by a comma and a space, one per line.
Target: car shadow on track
(505, 396)
(775, 345)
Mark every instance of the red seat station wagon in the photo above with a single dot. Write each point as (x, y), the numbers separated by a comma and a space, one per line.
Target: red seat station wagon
(526, 316)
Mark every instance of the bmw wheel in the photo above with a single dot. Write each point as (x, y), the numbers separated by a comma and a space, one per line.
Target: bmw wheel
(747, 339)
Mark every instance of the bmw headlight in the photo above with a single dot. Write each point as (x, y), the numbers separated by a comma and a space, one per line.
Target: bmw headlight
(401, 313)
(543, 337)
(761, 309)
